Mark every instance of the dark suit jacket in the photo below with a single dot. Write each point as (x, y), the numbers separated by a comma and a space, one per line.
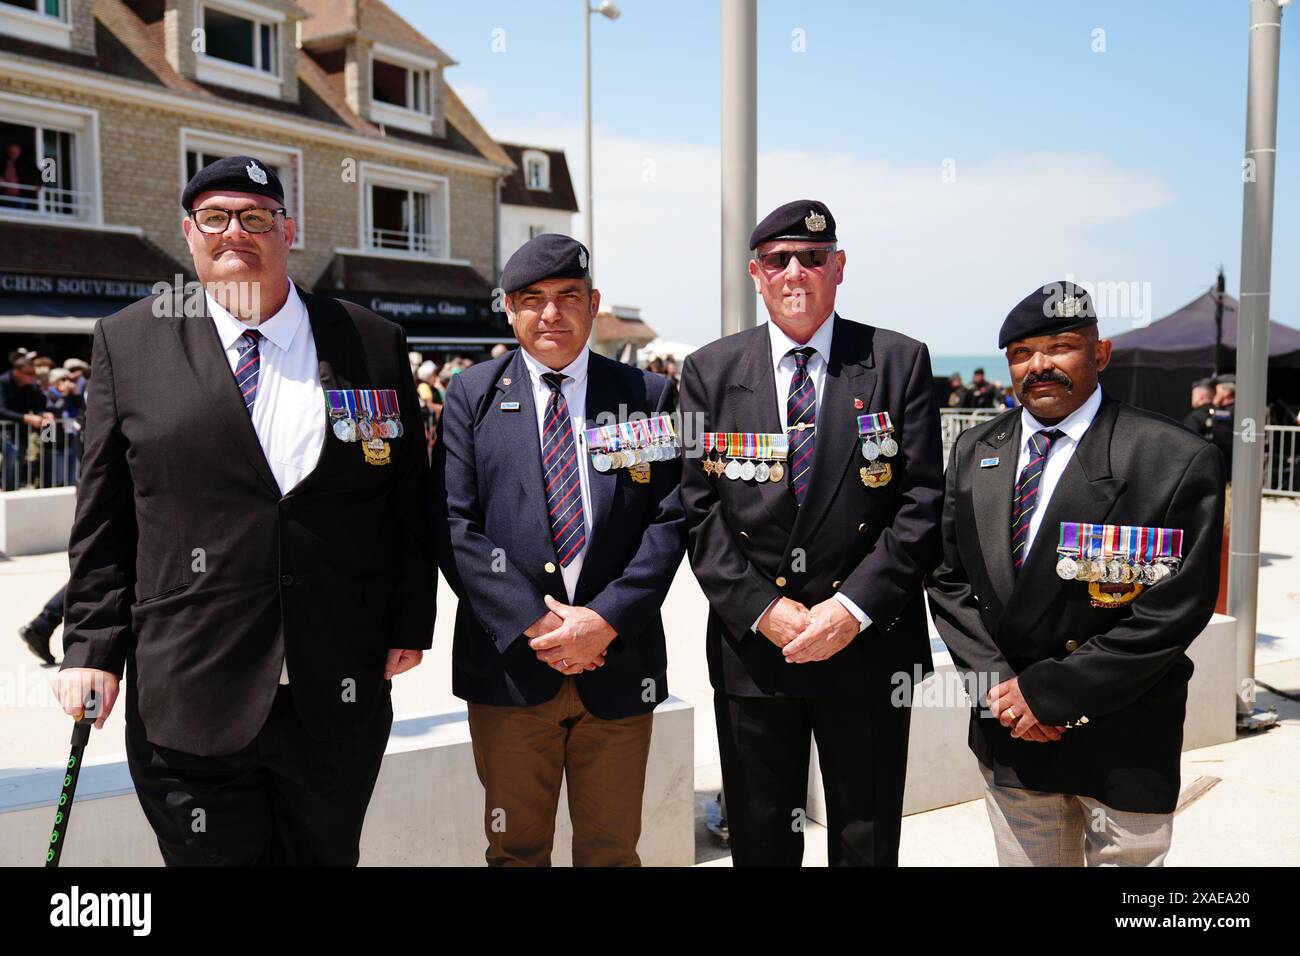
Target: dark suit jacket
(1128, 674)
(489, 505)
(874, 544)
(171, 465)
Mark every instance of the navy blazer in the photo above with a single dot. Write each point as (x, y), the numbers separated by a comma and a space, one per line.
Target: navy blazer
(489, 509)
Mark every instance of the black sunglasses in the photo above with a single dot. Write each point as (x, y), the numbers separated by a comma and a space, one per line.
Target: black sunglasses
(808, 258)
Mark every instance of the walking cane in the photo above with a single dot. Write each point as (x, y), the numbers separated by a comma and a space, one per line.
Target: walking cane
(80, 736)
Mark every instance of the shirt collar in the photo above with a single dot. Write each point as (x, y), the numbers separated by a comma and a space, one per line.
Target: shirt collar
(821, 340)
(576, 370)
(280, 329)
(1073, 425)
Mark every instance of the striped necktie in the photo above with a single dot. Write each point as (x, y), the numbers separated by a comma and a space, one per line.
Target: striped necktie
(801, 419)
(1031, 477)
(560, 472)
(247, 366)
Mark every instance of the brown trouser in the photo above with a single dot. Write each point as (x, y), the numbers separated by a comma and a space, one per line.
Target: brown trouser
(523, 753)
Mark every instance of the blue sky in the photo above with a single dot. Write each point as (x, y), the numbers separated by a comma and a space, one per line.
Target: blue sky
(1118, 167)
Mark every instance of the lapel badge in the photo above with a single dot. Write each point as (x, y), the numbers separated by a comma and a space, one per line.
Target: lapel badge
(815, 221)
(989, 462)
(509, 406)
(857, 403)
(876, 475)
(506, 381)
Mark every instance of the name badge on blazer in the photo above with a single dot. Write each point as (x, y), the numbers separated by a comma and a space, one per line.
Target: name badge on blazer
(509, 406)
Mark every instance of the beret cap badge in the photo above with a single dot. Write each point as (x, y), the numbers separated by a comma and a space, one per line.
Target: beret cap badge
(256, 173)
(815, 221)
(1070, 307)
(582, 258)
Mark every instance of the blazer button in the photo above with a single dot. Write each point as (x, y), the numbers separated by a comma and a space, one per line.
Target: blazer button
(780, 581)
(286, 580)
(836, 584)
(1071, 646)
(862, 528)
(1083, 720)
(744, 536)
(550, 567)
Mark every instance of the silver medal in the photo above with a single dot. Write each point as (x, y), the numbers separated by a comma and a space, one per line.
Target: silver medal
(889, 447)
(732, 470)
(1067, 568)
(341, 430)
(600, 461)
(747, 471)
(870, 450)
(762, 472)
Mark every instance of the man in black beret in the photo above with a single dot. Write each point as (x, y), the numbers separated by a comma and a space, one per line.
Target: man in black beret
(1080, 558)
(251, 545)
(811, 530)
(556, 498)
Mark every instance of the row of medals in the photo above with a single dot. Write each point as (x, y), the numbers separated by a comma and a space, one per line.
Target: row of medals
(349, 429)
(603, 461)
(1112, 571)
(872, 449)
(738, 470)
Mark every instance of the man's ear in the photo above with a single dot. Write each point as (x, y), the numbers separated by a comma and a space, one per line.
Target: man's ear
(290, 230)
(595, 303)
(753, 274)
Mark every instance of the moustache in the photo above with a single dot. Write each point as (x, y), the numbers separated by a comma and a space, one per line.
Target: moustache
(1033, 378)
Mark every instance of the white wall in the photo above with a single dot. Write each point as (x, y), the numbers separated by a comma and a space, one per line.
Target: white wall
(515, 221)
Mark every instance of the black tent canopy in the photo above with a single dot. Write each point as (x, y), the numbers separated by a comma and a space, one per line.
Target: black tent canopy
(1154, 367)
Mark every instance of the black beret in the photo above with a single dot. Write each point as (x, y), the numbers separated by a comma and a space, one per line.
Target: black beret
(804, 219)
(1054, 307)
(548, 256)
(242, 174)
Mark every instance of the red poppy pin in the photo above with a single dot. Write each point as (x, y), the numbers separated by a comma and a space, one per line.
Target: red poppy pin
(857, 403)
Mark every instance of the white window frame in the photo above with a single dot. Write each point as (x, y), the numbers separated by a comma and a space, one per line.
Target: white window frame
(537, 156)
(83, 124)
(405, 117)
(214, 69)
(203, 141)
(373, 174)
(38, 26)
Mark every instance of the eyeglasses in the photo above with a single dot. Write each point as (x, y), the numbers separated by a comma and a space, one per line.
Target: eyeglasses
(808, 258)
(215, 221)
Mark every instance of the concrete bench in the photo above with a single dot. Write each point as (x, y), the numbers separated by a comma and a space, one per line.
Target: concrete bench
(36, 520)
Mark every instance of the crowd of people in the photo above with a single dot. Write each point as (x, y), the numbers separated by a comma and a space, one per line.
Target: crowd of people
(41, 407)
(980, 393)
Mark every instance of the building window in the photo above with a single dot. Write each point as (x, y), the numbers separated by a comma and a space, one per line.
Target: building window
(38, 172)
(58, 9)
(537, 170)
(399, 86)
(200, 148)
(535, 231)
(39, 21)
(237, 39)
(405, 215)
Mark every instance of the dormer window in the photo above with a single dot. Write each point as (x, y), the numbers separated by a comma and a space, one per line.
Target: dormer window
(241, 46)
(42, 21)
(537, 170)
(401, 89)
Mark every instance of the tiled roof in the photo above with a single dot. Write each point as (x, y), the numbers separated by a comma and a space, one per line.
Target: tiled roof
(516, 191)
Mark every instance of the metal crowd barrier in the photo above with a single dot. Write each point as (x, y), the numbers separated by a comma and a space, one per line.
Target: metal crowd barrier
(38, 456)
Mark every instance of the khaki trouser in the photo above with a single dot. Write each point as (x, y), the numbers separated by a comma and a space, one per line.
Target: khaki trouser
(523, 753)
(1033, 828)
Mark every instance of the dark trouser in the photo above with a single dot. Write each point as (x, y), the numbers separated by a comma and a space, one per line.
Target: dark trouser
(764, 746)
(283, 800)
(51, 615)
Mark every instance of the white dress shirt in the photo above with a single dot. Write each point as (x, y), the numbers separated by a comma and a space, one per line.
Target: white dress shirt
(574, 390)
(289, 406)
(1072, 428)
(783, 366)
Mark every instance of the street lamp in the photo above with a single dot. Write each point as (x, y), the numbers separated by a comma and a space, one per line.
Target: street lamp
(607, 9)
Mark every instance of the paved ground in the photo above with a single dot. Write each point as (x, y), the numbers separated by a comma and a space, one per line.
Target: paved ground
(1251, 816)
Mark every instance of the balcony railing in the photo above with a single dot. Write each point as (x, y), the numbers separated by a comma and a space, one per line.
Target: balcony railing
(44, 202)
(39, 456)
(398, 240)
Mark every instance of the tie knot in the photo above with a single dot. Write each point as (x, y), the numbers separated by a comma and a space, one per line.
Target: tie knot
(801, 356)
(1041, 442)
(554, 379)
(251, 337)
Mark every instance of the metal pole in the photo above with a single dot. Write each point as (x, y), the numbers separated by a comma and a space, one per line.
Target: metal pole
(1252, 340)
(739, 159)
